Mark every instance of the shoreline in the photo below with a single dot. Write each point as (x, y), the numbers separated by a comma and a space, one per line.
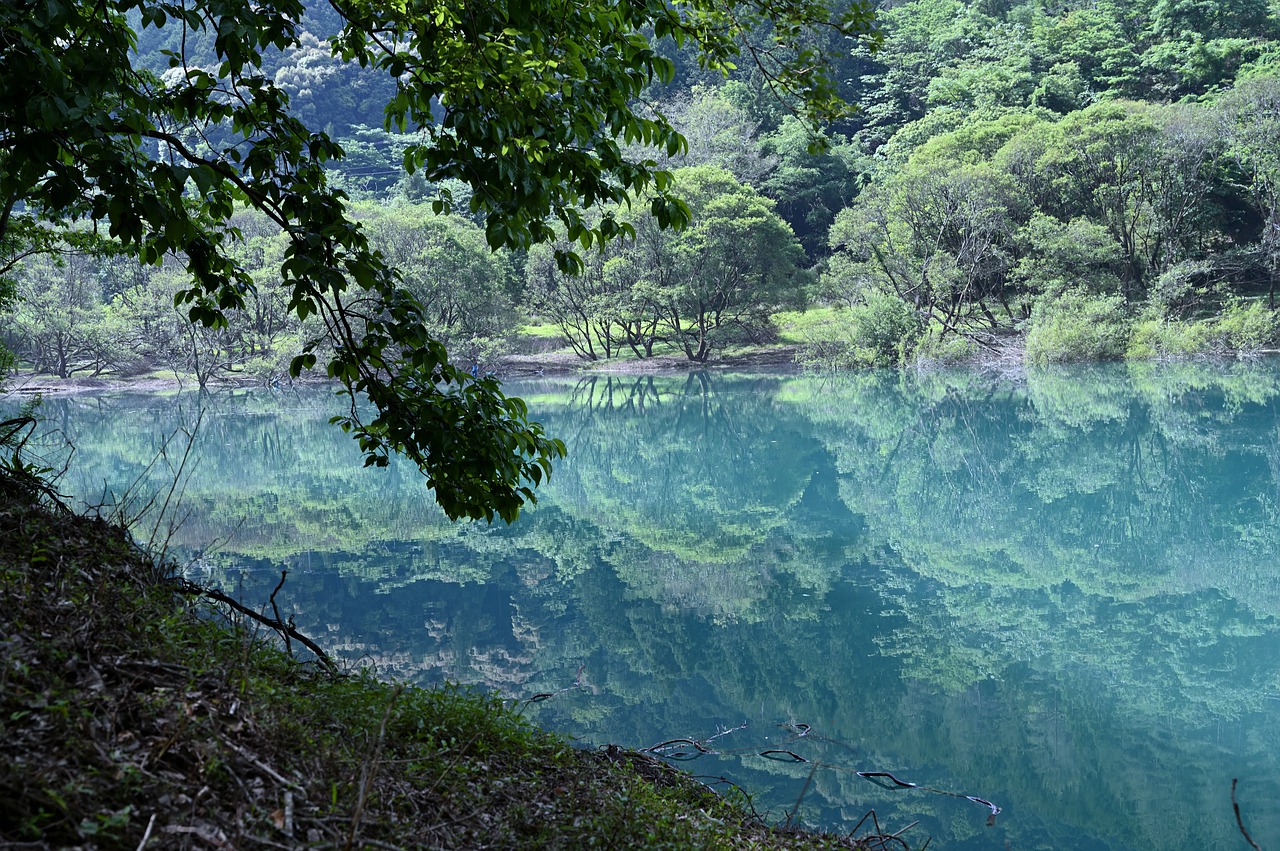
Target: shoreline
(1005, 360)
(779, 359)
(184, 694)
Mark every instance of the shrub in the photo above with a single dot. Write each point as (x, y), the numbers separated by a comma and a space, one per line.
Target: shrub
(1247, 327)
(934, 347)
(1077, 326)
(1241, 327)
(1155, 336)
(883, 329)
(1187, 288)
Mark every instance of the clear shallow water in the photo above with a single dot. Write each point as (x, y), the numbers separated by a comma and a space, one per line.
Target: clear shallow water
(1058, 594)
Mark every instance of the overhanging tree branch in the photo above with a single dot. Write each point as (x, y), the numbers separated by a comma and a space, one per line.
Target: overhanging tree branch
(526, 107)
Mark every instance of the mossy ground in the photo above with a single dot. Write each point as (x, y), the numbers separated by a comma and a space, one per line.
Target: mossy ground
(131, 718)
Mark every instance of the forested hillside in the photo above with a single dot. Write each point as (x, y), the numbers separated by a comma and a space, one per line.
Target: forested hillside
(1093, 175)
(1098, 180)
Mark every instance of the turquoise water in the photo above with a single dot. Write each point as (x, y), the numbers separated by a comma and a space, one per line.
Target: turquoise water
(1055, 592)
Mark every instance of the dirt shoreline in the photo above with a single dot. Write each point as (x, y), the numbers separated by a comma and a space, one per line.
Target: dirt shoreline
(779, 359)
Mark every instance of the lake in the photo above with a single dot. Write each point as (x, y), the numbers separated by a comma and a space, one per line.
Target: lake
(1055, 593)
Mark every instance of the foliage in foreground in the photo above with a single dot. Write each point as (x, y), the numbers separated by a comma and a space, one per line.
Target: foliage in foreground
(127, 721)
(528, 105)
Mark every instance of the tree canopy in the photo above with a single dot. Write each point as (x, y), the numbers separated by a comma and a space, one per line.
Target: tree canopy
(530, 106)
(718, 280)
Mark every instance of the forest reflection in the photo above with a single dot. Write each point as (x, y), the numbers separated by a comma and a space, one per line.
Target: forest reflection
(1054, 590)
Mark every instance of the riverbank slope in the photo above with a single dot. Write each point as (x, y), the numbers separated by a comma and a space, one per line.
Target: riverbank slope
(134, 714)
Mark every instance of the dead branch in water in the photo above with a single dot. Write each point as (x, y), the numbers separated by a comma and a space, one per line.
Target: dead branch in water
(1239, 821)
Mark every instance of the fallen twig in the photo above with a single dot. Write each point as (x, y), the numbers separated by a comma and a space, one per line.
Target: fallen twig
(266, 769)
(147, 835)
(285, 629)
(726, 732)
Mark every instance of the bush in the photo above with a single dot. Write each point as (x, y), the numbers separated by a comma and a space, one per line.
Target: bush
(1247, 327)
(1156, 337)
(1187, 288)
(933, 347)
(882, 330)
(1240, 327)
(1077, 326)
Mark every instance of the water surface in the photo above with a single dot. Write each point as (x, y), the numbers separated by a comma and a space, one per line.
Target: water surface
(1057, 593)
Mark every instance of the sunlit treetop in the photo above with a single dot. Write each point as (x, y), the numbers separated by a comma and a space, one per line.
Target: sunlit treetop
(529, 103)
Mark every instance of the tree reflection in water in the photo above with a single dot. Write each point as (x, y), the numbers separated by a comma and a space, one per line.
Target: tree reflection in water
(1054, 591)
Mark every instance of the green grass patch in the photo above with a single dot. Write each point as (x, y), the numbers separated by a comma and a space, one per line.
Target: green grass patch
(548, 330)
(798, 327)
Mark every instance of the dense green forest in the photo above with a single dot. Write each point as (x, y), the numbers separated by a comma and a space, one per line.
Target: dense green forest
(1056, 180)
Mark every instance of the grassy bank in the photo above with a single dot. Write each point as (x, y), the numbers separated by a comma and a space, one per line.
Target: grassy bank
(131, 718)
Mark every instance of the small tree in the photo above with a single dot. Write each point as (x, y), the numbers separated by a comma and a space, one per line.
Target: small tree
(722, 277)
(594, 307)
(163, 337)
(1250, 124)
(936, 235)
